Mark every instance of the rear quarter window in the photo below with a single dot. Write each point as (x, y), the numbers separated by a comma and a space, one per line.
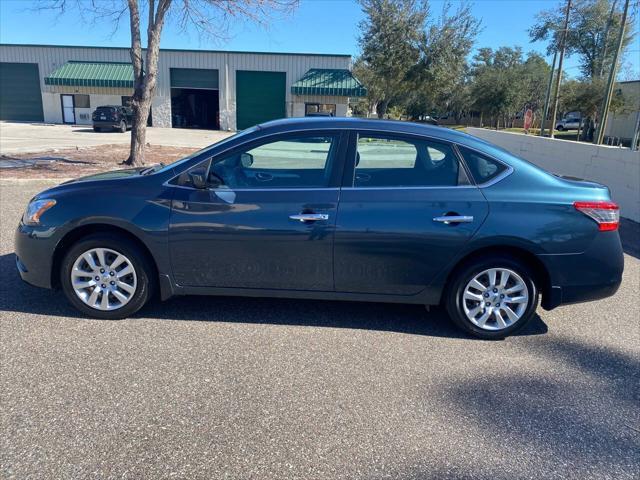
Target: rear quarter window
(482, 168)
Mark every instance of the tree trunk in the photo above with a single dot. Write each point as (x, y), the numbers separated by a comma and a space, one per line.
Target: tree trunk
(382, 108)
(139, 132)
(144, 81)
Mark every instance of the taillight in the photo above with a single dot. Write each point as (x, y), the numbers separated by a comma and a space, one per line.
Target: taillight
(606, 214)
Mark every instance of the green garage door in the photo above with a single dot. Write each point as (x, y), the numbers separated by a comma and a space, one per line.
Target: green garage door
(260, 97)
(20, 97)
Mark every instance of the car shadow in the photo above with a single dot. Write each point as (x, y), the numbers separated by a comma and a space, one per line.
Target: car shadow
(91, 130)
(400, 318)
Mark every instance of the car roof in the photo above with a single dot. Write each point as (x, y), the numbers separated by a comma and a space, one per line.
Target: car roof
(351, 123)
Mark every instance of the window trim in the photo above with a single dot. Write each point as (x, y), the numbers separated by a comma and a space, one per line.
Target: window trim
(508, 170)
(346, 151)
(348, 181)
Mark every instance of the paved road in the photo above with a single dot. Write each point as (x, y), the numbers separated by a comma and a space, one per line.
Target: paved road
(250, 388)
(30, 137)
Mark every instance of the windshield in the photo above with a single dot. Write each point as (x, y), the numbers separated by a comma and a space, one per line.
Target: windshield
(177, 163)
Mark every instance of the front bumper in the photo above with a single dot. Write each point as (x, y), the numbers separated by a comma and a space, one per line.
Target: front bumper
(34, 248)
(593, 274)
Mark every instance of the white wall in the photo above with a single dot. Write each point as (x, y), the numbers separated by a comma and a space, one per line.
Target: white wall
(618, 168)
(52, 106)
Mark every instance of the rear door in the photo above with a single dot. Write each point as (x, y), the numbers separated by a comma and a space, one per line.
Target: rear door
(269, 224)
(406, 209)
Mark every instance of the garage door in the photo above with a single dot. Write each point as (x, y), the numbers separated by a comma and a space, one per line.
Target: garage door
(20, 97)
(260, 97)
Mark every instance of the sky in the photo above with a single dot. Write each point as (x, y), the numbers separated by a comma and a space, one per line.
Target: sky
(316, 26)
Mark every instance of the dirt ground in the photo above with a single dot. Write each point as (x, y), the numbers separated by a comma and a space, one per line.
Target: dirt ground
(77, 162)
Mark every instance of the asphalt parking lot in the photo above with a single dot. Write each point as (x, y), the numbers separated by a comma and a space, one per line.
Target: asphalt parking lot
(286, 389)
(38, 137)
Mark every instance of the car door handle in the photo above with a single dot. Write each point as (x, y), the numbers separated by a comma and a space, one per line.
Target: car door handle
(449, 219)
(309, 217)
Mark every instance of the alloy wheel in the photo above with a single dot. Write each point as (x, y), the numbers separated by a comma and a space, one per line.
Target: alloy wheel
(104, 279)
(495, 299)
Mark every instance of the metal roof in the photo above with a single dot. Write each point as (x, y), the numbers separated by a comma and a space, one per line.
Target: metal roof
(92, 74)
(241, 52)
(320, 81)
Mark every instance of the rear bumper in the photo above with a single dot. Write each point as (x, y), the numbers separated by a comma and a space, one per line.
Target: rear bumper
(593, 274)
(107, 124)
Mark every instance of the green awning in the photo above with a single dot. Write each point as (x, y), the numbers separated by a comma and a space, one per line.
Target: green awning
(92, 74)
(319, 81)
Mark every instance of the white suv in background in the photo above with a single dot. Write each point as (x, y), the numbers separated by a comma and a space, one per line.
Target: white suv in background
(569, 123)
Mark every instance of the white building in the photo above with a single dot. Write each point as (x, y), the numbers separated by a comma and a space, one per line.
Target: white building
(623, 124)
(196, 88)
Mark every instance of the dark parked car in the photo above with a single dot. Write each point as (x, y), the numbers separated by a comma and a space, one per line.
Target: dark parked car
(112, 117)
(330, 208)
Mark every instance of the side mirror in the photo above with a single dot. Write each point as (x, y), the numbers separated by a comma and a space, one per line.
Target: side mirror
(198, 179)
(246, 160)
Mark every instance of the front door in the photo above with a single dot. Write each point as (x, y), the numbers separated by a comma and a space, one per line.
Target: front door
(265, 219)
(68, 109)
(393, 234)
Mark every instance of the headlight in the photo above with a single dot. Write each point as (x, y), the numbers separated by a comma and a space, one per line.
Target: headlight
(35, 209)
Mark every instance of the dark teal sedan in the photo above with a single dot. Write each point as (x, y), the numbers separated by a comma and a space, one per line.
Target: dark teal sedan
(331, 208)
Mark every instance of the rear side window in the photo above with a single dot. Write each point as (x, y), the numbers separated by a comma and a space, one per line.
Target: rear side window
(483, 168)
(389, 161)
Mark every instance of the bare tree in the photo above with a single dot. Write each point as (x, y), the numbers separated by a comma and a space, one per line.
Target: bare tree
(209, 18)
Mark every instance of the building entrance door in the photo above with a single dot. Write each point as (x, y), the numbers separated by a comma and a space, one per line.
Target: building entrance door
(68, 113)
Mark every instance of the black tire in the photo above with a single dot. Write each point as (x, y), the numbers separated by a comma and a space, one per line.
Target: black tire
(97, 129)
(123, 127)
(141, 263)
(560, 128)
(456, 288)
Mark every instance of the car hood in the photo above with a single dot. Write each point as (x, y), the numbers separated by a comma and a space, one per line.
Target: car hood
(112, 175)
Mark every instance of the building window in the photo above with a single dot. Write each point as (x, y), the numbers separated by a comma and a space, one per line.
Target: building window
(81, 101)
(320, 108)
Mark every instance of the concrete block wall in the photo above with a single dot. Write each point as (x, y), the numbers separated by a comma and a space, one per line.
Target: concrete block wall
(618, 168)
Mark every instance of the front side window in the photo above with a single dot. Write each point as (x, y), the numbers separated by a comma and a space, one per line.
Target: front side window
(405, 162)
(285, 163)
(482, 168)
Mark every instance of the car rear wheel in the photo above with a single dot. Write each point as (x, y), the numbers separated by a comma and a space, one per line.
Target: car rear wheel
(123, 126)
(493, 297)
(106, 276)
(97, 129)
(560, 128)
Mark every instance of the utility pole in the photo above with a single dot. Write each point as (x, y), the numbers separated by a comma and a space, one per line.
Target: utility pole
(547, 98)
(606, 103)
(606, 36)
(563, 46)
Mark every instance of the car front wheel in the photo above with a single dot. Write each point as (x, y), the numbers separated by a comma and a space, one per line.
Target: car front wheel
(123, 127)
(106, 276)
(493, 297)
